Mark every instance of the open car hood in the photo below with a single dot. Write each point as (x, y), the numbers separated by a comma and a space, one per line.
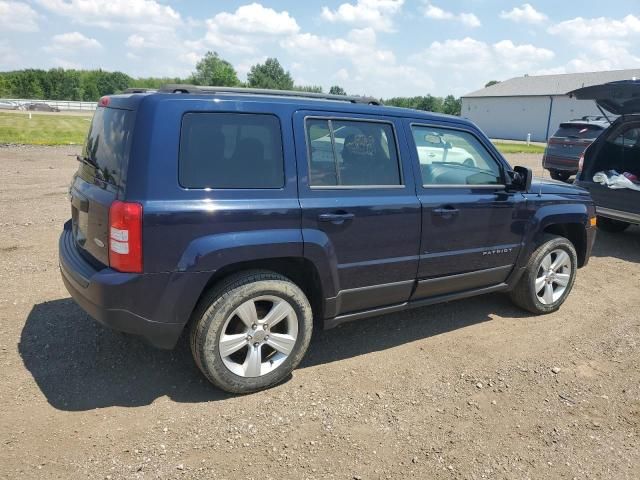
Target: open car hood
(620, 98)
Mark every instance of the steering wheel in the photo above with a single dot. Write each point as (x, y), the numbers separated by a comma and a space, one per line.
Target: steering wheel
(469, 162)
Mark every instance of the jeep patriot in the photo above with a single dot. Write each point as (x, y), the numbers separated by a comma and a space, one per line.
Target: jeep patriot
(246, 217)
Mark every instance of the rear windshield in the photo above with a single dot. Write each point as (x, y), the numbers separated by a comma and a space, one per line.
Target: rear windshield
(231, 150)
(570, 130)
(107, 146)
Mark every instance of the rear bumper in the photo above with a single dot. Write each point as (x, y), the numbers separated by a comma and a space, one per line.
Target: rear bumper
(147, 305)
(560, 164)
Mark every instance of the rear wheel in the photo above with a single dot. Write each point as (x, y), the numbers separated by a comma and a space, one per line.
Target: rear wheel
(548, 277)
(251, 331)
(557, 175)
(611, 225)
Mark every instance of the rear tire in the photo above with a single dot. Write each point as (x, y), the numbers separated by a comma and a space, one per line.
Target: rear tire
(548, 277)
(611, 225)
(250, 331)
(561, 176)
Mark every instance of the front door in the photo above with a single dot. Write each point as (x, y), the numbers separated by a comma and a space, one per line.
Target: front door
(472, 227)
(360, 212)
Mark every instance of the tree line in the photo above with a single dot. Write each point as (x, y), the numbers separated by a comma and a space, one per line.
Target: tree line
(90, 85)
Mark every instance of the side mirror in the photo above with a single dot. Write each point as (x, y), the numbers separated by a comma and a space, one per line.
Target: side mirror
(522, 178)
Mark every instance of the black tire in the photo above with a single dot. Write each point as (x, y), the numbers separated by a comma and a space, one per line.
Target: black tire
(524, 293)
(561, 176)
(219, 304)
(611, 225)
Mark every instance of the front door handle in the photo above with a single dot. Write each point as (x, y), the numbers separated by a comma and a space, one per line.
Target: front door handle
(446, 211)
(336, 217)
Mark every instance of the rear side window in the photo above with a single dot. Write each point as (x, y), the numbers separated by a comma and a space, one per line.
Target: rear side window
(107, 145)
(231, 150)
(352, 153)
(587, 132)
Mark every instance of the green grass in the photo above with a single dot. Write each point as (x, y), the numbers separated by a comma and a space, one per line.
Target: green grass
(518, 148)
(55, 129)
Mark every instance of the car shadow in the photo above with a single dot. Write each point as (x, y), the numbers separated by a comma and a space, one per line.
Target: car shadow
(80, 365)
(623, 245)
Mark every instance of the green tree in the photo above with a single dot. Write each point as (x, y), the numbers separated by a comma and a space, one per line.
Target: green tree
(491, 82)
(213, 70)
(452, 105)
(270, 74)
(337, 90)
(308, 88)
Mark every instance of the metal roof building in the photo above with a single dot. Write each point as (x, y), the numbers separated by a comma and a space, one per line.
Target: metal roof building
(534, 105)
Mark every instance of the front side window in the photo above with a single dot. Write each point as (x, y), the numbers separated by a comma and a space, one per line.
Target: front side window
(453, 157)
(351, 153)
(231, 150)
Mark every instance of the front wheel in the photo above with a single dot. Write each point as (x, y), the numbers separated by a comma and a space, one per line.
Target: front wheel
(251, 331)
(611, 225)
(548, 278)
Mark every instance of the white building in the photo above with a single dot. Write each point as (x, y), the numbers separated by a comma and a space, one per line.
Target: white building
(534, 104)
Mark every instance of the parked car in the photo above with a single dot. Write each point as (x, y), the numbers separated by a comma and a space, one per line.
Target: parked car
(9, 105)
(568, 143)
(41, 107)
(616, 151)
(238, 215)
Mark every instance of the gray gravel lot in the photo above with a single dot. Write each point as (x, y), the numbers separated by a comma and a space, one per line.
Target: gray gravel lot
(466, 390)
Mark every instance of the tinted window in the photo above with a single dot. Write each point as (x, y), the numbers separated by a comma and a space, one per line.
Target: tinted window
(352, 153)
(629, 138)
(589, 132)
(231, 150)
(453, 157)
(107, 145)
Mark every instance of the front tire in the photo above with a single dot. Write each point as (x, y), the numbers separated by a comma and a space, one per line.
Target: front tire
(251, 331)
(611, 225)
(548, 277)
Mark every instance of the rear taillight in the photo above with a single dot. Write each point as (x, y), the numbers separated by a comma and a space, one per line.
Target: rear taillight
(125, 237)
(580, 162)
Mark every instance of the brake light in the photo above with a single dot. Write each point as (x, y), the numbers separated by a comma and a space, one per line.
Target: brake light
(104, 101)
(580, 162)
(125, 237)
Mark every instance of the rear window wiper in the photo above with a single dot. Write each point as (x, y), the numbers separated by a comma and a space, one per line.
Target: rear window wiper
(86, 160)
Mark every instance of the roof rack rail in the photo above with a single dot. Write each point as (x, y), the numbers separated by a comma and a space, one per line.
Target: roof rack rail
(138, 90)
(197, 89)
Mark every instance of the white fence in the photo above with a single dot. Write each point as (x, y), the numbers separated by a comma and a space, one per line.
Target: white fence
(61, 104)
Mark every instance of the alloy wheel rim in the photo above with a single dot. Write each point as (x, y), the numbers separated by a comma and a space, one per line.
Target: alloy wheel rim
(554, 274)
(258, 336)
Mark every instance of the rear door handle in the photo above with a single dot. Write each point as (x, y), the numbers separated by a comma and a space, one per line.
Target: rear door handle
(335, 217)
(446, 211)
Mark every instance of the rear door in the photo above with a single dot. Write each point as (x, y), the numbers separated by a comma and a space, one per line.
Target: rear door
(360, 212)
(100, 178)
(472, 227)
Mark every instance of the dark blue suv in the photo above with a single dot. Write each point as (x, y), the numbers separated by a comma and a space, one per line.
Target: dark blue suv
(245, 215)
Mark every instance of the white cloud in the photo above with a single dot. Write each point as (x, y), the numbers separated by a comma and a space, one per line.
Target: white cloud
(472, 56)
(246, 30)
(524, 14)
(256, 19)
(8, 56)
(369, 68)
(72, 42)
(376, 14)
(145, 15)
(63, 63)
(580, 28)
(603, 43)
(136, 41)
(437, 13)
(17, 16)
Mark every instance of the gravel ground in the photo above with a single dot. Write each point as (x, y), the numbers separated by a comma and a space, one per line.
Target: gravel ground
(466, 390)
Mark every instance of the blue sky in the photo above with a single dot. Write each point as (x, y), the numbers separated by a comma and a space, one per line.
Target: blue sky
(376, 47)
